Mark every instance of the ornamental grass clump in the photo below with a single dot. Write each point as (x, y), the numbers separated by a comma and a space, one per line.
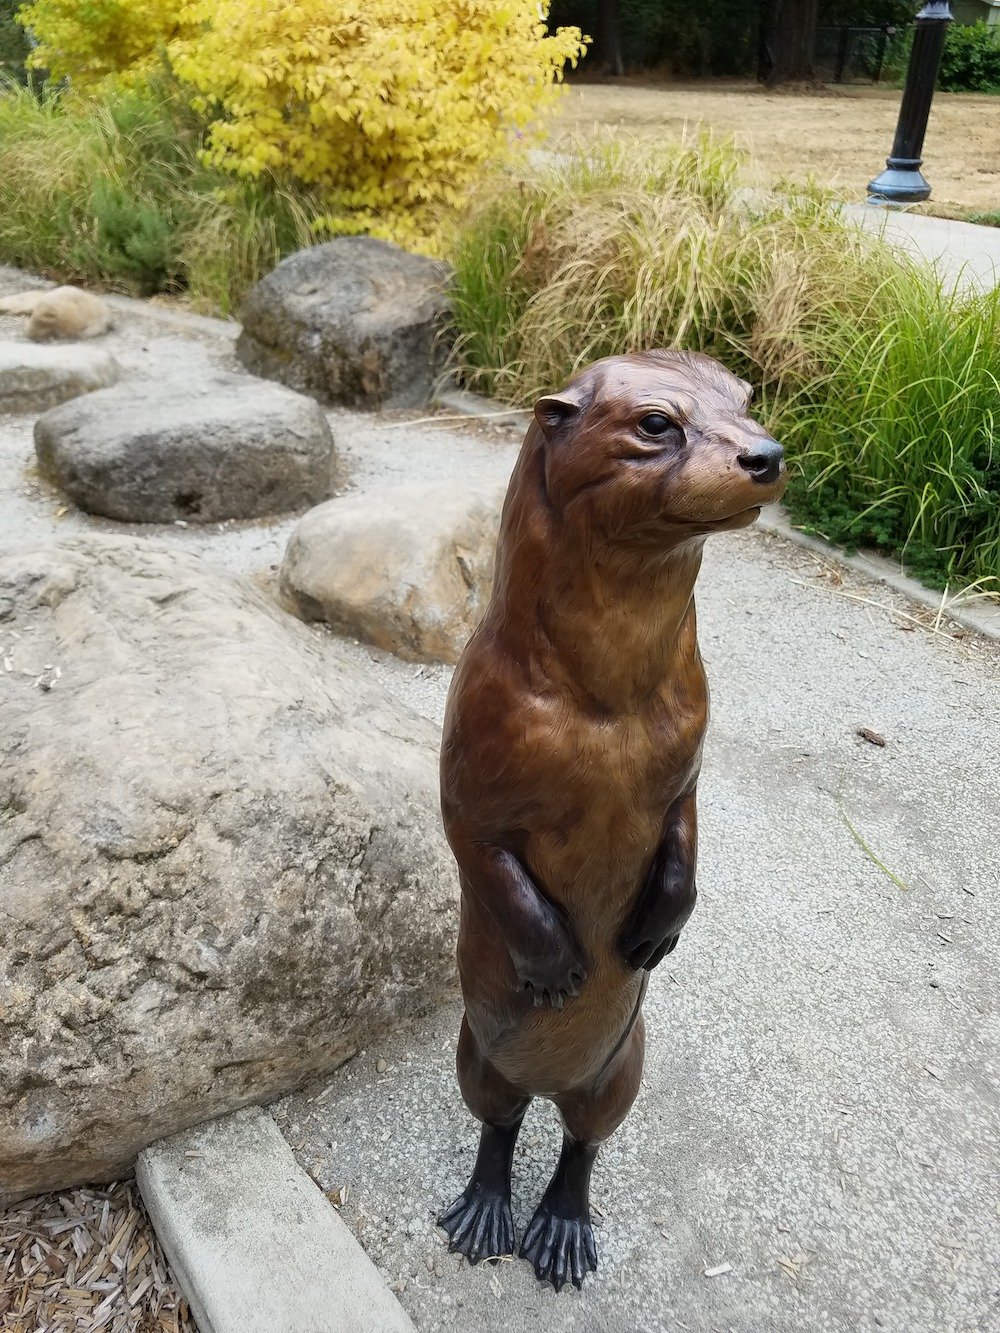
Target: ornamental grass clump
(895, 436)
(111, 190)
(616, 248)
(880, 380)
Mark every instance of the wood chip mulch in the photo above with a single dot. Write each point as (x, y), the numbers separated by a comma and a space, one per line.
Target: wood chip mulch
(87, 1261)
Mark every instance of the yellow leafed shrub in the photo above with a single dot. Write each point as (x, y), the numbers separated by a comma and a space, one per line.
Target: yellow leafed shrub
(385, 109)
(382, 112)
(88, 41)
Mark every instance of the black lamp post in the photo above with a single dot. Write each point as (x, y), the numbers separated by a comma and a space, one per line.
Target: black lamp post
(902, 182)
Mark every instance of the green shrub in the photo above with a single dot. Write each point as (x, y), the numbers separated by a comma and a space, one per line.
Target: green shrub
(881, 383)
(971, 59)
(112, 192)
(133, 240)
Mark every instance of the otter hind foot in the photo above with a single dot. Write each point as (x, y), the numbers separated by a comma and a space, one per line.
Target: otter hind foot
(479, 1224)
(560, 1249)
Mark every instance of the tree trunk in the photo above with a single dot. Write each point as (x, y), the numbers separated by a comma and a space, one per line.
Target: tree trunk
(787, 41)
(609, 26)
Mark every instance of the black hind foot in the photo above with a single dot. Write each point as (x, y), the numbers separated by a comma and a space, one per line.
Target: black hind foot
(479, 1223)
(560, 1249)
(559, 1242)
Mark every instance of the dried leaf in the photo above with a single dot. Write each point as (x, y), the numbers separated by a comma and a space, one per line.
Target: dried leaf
(873, 737)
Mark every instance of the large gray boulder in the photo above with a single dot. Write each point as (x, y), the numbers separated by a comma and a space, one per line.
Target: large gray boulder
(224, 446)
(409, 568)
(354, 321)
(221, 870)
(33, 378)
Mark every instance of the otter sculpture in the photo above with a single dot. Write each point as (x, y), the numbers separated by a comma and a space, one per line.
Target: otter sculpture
(572, 746)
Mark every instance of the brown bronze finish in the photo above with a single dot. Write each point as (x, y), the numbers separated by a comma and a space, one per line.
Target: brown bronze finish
(570, 760)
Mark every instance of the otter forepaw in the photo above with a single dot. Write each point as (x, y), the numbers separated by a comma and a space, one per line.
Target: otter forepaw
(647, 953)
(557, 993)
(479, 1225)
(559, 1249)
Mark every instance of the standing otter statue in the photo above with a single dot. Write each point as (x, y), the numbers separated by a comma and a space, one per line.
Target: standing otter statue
(572, 746)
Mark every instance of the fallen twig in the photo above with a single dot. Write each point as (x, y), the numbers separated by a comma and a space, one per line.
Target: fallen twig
(883, 606)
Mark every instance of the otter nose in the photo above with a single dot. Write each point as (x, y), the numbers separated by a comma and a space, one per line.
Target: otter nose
(763, 461)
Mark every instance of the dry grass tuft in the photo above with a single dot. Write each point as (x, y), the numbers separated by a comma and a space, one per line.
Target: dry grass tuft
(86, 1261)
(880, 380)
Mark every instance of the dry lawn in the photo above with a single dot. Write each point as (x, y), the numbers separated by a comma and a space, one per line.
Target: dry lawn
(841, 135)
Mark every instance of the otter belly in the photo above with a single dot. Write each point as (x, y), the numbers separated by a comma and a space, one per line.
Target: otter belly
(595, 880)
(551, 1052)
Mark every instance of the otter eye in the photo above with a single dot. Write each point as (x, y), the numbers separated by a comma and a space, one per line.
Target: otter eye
(655, 423)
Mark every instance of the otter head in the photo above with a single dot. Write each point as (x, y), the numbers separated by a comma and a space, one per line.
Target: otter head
(656, 448)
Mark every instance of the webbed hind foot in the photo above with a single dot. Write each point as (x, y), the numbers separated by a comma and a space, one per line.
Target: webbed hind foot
(479, 1224)
(560, 1249)
(559, 1242)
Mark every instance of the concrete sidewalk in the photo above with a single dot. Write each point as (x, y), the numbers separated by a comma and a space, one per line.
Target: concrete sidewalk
(819, 1111)
(967, 254)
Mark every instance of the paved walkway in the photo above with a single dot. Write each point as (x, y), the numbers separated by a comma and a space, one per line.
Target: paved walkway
(819, 1111)
(966, 253)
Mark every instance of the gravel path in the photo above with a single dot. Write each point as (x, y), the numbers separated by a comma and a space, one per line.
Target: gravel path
(818, 1121)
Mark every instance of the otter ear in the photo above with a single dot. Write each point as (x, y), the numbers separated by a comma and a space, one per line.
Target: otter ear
(556, 411)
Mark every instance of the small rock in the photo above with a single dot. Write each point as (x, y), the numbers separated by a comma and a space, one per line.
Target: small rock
(35, 378)
(408, 568)
(65, 312)
(381, 1066)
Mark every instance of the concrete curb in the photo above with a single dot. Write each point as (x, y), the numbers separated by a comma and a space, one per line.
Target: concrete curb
(253, 1243)
(983, 618)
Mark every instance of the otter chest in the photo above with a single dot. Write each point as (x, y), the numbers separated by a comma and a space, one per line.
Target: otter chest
(595, 821)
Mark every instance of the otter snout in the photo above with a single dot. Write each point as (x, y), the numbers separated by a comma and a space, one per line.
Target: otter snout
(763, 461)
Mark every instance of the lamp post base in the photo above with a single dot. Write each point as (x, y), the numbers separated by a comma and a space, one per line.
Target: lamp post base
(902, 182)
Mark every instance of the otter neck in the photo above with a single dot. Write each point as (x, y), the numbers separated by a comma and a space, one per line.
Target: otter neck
(610, 623)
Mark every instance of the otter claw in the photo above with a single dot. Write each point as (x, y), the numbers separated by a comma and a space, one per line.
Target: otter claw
(648, 953)
(543, 995)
